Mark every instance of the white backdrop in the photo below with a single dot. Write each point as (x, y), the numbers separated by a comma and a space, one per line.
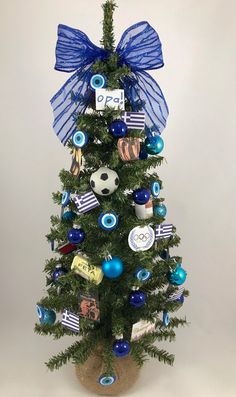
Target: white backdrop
(198, 81)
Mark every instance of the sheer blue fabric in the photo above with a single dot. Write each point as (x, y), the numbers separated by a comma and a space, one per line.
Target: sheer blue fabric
(139, 48)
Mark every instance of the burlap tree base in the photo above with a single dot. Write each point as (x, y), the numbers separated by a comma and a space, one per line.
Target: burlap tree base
(125, 369)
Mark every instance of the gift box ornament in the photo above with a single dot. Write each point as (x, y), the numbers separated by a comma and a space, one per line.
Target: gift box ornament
(129, 148)
(82, 267)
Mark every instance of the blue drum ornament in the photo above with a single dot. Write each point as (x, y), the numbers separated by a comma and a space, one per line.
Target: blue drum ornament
(178, 276)
(108, 220)
(97, 81)
(166, 318)
(118, 129)
(154, 145)
(65, 199)
(80, 139)
(155, 189)
(107, 380)
(143, 274)
(160, 210)
(137, 299)
(46, 316)
(112, 267)
(76, 236)
(141, 195)
(121, 348)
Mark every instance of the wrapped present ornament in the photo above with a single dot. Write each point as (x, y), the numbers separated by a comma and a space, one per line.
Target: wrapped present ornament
(81, 266)
(129, 148)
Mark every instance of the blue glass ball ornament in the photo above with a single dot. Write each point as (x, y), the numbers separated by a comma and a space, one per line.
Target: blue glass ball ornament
(112, 268)
(178, 276)
(105, 380)
(141, 195)
(166, 318)
(154, 145)
(121, 348)
(160, 210)
(76, 236)
(65, 199)
(143, 274)
(108, 220)
(58, 272)
(143, 154)
(118, 129)
(69, 216)
(164, 255)
(155, 189)
(46, 316)
(180, 299)
(79, 139)
(137, 298)
(97, 81)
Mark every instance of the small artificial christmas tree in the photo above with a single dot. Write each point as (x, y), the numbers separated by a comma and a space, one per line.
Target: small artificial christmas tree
(112, 279)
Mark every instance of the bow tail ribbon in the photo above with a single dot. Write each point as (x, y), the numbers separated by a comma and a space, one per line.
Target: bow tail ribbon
(72, 99)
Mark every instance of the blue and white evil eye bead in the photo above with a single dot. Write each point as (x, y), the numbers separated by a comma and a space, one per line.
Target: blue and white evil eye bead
(143, 274)
(166, 319)
(65, 199)
(39, 311)
(97, 81)
(155, 189)
(80, 139)
(108, 220)
(107, 380)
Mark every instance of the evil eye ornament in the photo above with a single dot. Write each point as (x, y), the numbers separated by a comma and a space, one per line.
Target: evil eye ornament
(108, 220)
(80, 139)
(97, 81)
(143, 274)
(155, 189)
(107, 380)
(65, 199)
(166, 319)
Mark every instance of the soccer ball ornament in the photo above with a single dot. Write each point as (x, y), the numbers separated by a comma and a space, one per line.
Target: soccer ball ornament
(104, 181)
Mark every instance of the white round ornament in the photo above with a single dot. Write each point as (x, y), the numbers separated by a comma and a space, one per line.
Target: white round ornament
(104, 181)
(141, 238)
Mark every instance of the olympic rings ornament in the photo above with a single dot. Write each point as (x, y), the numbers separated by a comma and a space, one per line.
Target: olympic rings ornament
(65, 199)
(80, 139)
(155, 189)
(97, 81)
(141, 238)
(108, 220)
(143, 274)
(107, 380)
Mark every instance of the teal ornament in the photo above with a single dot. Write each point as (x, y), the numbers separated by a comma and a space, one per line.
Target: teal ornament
(160, 210)
(69, 216)
(143, 274)
(112, 267)
(105, 380)
(154, 145)
(46, 316)
(178, 276)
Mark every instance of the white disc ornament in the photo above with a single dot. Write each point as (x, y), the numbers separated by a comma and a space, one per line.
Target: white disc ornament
(141, 238)
(104, 181)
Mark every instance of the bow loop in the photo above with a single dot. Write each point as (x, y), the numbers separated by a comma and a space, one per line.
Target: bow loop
(140, 47)
(74, 50)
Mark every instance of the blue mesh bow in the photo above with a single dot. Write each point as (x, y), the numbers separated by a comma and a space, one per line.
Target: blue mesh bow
(139, 48)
